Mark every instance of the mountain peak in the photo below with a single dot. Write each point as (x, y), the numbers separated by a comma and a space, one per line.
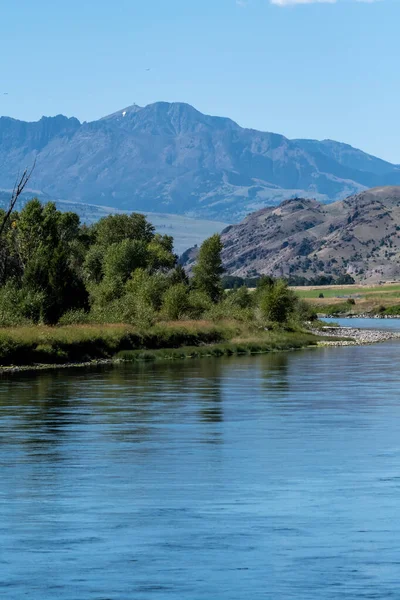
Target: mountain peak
(170, 157)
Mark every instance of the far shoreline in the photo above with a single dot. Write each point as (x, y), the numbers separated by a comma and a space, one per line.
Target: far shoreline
(325, 336)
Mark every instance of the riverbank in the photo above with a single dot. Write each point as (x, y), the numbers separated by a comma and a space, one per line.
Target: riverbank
(41, 348)
(351, 336)
(378, 316)
(44, 348)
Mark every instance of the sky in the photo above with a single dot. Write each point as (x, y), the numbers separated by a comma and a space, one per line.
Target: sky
(303, 68)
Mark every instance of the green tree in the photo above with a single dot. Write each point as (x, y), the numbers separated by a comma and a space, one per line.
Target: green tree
(178, 275)
(208, 270)
(160, 253)
(117, 228)
(122, 258)
(176, 302)
(277, 302)
(239, 298)
(44, 239)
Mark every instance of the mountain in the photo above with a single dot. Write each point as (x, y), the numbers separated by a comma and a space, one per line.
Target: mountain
(171, 158)
(301, 237)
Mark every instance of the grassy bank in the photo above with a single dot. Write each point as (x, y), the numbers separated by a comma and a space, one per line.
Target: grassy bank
(272, 342)
(82, 343)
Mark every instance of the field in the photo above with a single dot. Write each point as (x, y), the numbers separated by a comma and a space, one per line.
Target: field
(383, 298)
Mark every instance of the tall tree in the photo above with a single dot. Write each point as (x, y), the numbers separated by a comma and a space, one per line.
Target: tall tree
(208, 270)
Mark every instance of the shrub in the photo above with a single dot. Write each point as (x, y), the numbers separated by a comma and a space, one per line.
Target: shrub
(304, 312)
(149, 287)
(176, 302)
(239, 298)
(199, 303)
(277, 302)
(74, 317)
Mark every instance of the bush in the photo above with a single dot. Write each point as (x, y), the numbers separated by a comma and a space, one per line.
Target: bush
(149, 287)
(199, 304)
(74, 317)
(19, 307)
(277, 302)
(239, 298)
(304, 312)
(175, 302)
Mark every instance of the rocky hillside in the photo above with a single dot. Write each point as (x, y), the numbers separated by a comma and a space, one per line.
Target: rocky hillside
(301, 237)
(170, 158)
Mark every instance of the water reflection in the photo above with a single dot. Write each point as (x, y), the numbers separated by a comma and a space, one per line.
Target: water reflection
(266, 477)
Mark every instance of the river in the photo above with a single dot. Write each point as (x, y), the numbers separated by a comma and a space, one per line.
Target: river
(269, 477)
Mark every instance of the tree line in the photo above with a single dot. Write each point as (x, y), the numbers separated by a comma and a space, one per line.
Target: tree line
(54, 270)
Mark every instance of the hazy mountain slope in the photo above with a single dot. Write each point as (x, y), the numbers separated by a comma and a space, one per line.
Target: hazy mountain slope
(172, 158)
(347, 156)
(185, 230)
(359, 236)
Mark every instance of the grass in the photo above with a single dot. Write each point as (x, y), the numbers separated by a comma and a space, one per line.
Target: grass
(337, 291)
(379, 299)
(24, 346)
(81, 343)
(271, 342)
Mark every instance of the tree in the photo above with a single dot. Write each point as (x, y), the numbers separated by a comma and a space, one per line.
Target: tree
(208, 270)
(122, 258)
(277, 302)
(178, 275)
(48, 267)
(160, 253)
(19, 187)
(176, 302)
(265, 282)
(117, 228)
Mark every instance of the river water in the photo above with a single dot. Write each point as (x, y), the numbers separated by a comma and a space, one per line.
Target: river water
(270, 477)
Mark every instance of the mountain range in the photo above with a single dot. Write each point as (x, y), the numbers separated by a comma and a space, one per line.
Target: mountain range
(171, 158)
(359, 236)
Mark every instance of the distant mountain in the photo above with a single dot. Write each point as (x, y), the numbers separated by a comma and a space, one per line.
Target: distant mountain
(302, 237)
(170, 158)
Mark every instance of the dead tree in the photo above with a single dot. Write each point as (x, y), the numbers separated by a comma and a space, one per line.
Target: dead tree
(19, 187)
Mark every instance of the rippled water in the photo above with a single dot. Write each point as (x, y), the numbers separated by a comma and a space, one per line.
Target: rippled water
(273, 477)
(383, 324)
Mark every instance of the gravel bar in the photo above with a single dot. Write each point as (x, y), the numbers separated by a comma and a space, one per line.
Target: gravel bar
(357, 336)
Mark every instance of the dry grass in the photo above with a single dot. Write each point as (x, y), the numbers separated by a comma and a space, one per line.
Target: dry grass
(368, 299)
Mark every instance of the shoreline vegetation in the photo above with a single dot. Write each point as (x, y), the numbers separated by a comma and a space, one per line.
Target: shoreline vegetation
(42, 347)
(73, 295)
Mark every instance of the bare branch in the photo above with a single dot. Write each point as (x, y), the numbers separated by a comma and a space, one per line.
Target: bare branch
(19, 187)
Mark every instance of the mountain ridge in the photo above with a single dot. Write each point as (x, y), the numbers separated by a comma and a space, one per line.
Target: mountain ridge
(301, 237)
(170, 157)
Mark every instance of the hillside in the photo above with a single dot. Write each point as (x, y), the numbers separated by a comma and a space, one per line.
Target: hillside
(170, 158)
(359, 235)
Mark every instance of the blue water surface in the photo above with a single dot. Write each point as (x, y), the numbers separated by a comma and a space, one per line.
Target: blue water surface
(271, 477)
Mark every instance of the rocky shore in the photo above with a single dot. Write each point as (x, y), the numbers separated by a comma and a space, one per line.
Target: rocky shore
(357, 316)
(350, 336)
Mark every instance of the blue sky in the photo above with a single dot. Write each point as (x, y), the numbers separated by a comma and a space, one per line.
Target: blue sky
(305, 69)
